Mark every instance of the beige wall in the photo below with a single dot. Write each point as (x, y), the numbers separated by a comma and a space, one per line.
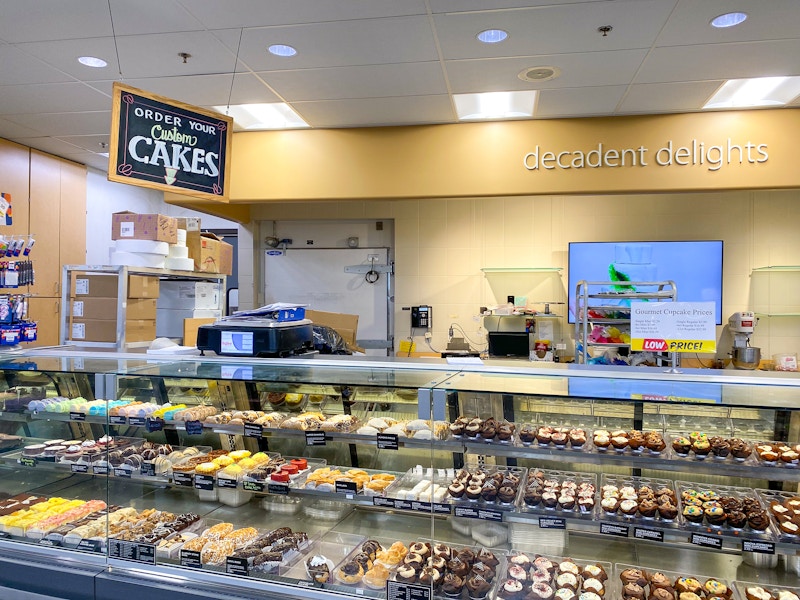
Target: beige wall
(441, 246)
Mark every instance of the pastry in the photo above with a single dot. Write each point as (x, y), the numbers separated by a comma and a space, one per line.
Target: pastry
(715, 515)
(593, 585)
(429, 576)
(648, 508)
(628, 507)
(319, 568)
(633, 591)
(567, 566)
(371, 548)
(681, 446)
(688, 596)
(662, 594)
(506, 494)
(567, 580)
(477, 587)
(693, 514)
(405, 574)
(688, 584)
(376, 577)
(757, 593)
(458, 567)
(488, 558)
(758, 520)
(517, 572)
(565, 594)
(632, 575)
(452, 585)
(720, 447)
(594, 572)
(540, 591)
(473, 491)
(510, 589)
(714, 587)
(350, 573)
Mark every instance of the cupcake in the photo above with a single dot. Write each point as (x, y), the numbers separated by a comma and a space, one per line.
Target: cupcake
(506, 494)
(715, 515)
(594, 572)
(458, 567)
(701, 448)
(473, 491)
(720, 447)
(540, 591)
(714, 587)
(577, 438)
(429, 576)
(667, 511)
(477, 587)
(527, 434)
(740, 449)
(452, 585)
(405, 574)
(633, 575)
(488, 558)
(633, 591)
(681, 446)
(758, 520)
(628, 507)
(688, 584)
(593, 585)
(693, 514)
(517, 572)
(648, 508)
(542, 563)
(654, 442)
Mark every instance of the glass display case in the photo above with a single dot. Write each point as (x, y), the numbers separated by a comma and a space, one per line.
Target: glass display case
(309, 477)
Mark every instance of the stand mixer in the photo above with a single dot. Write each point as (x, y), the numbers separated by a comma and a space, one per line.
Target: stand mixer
(742, 324)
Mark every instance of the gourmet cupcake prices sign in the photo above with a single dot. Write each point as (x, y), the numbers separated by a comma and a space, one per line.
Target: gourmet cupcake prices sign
(673, 327)
(164, 144)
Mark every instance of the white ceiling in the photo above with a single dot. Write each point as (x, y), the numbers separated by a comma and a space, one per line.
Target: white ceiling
(372, 62)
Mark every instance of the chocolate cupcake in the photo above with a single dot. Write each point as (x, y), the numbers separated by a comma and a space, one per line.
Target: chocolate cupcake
(452, 585)
(637, 576)
(473, 491)
(489, 491)
(527, 434)
(633, 591)
(430, 576)
(406, 574)
(715, 515)
(594, 572)
(540, 591)
(506, 494)
(648, 508)
(483, 570)
(488, 558)
(667, 511)
(682, 446)
(688, 584)
(477, 587)
(542, 563)
(758, 520)
(720, 447)
(458, 566)
(740, 449)
(693, 514)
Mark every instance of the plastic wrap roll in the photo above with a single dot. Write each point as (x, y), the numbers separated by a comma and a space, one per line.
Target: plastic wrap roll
(138, 259)
(179, 264)
(181, 237)
(145, 246)
(178, 252)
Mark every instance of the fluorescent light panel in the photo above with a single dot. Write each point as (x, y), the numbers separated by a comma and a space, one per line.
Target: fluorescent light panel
(495, 105)
(759, 91)
(275, 115)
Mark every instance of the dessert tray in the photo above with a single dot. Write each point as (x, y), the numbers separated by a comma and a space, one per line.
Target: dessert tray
(784, 510)
(631, 581)
(639, 500)
(559, 493)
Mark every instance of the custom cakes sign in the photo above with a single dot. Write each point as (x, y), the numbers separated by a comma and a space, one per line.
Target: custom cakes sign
(164, 144)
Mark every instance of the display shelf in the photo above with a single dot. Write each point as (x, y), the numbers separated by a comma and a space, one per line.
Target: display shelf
(521, 269)
(776, 269)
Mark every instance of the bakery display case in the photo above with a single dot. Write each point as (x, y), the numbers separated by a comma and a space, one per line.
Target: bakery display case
(309, 477)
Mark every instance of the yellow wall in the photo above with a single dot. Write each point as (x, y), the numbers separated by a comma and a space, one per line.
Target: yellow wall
(486, 159)
(441, 246)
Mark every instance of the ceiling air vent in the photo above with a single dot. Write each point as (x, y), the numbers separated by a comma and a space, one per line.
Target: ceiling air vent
(536, 74)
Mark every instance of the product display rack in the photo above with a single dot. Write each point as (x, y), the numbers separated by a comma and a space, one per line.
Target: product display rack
(408, 392)
(606, 302)
(122, 273)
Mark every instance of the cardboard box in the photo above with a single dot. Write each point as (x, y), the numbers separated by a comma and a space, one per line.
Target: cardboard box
(169, 321)
(210, 254)
(143, 286)
(97, 330)
(190, 327)
(106, 308)
(189, 295)
(345, 325)
(189, 223)
(127, 225)
(96, 286)
(106, 286)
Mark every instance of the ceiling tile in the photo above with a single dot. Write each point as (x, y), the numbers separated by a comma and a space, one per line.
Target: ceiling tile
(207, 90)
(377, 112)
(152, 16)
(259, 13)
(668, 97)
(579, 102)
(721, 61)
(341, 43)
(443, 6)
(53, 20)
(91, 143)
(554, 29)
(17, 67)
(10, 130)
(156, 55)
(577, 70)
(64, 54)
(371, 81)
(690, 23)
(90, 159)
(51, 98)
(63, 124)
(49, 144)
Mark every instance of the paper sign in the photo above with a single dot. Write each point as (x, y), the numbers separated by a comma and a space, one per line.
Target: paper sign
(686, 327)
(5, 208)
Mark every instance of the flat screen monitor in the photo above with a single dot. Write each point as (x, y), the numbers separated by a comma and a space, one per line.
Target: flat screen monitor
(694, 266)
(505, 344)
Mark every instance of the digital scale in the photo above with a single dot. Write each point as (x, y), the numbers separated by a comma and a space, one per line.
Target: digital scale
(266, 338)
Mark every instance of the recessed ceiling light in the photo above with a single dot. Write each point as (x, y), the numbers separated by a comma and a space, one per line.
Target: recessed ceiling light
(92, 61)
(282, 50)
(495, 105)
(275, 115)
(492, 36)
(759, 91)
(728, 20)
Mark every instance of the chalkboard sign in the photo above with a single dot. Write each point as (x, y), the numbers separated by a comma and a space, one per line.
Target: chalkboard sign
(168, 145)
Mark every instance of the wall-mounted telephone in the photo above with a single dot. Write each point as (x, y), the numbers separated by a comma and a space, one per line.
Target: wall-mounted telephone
(421, 317)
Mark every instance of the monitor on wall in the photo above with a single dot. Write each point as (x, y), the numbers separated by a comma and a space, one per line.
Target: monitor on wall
(694, 266)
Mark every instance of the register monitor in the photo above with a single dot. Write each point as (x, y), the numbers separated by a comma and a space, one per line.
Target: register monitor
(509, 344)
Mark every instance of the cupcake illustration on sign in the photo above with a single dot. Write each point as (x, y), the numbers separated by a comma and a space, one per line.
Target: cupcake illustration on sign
(170, 176)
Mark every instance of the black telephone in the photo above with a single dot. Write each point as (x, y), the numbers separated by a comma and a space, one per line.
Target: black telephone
(421, 316)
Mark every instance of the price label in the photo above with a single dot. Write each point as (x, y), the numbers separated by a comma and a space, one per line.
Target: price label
(645, 533)
(236, 566)
(203, 482)
(315, 438)
(224, 482)
(148, 469)
(552, 523)
(154, 425)
(90, 546)
(387, 441)
(100, 469)
(122, 472)
(137, 421)
(253, 430)
(407, 591)
(194, 427)
(76, 468)
(117, 420)
(48, 542)
(346, 487)
(706, 541)
(145, 553)
(27, 461)
(182, 479)
(191, 558)
(483, 514)
(254, 486)
(77, 416)
(759, 547)
(614, 529)
(442, 509)
(278, 488)
(383, 502)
